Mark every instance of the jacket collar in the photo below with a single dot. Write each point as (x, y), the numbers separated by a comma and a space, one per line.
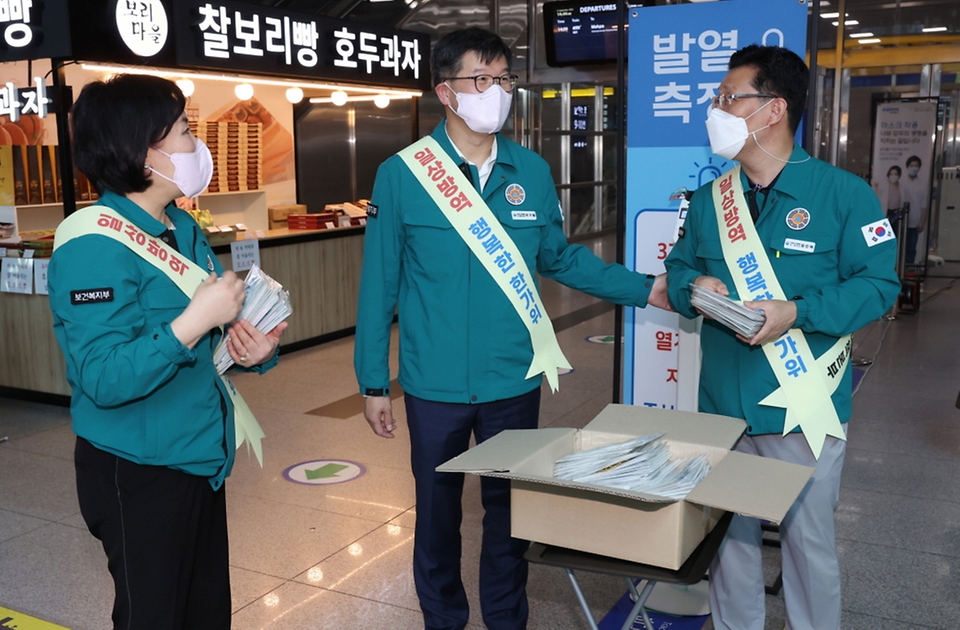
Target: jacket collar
(794, 178)
(506, 151)
(140, 217)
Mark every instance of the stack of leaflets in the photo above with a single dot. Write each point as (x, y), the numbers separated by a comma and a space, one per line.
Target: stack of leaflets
(266, 304)
(642, 465)
(732, 314)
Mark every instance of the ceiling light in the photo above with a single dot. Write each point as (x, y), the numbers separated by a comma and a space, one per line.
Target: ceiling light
(874, 40)
(355, 99)
(830, 16)
(847, 23)
(935, 29)
(243, 91)
(381, 100)
(176, 74)
(294, 95)
(186, 86)
(859, 35)
(339, 98)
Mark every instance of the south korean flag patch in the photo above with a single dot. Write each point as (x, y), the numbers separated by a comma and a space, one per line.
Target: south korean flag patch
(877, 232)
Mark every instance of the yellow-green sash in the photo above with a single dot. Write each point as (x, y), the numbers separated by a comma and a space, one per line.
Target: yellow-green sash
(476, 224)
(182, 271)
(806, 383)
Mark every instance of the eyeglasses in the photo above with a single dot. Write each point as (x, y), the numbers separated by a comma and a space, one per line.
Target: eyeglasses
(724, 101)
(483, 81)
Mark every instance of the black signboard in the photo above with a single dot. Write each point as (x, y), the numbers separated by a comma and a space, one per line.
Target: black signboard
(226, 36)
(127, 32)
(33, 29)
(265, 40)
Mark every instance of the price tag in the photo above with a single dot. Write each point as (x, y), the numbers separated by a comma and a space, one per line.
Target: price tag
(245, 254)
(40, 275)
(16, 275)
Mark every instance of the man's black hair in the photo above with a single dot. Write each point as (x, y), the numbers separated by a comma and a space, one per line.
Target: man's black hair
(914, 158)
(449, 50)
(115, 121)
(779, 71)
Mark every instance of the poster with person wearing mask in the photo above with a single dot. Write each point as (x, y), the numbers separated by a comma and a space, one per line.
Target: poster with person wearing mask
(901, 167)
(678, 57)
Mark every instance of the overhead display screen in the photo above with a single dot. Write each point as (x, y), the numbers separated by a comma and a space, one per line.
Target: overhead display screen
(578, 32)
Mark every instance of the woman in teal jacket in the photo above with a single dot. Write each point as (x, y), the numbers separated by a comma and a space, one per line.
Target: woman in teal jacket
(154, 422)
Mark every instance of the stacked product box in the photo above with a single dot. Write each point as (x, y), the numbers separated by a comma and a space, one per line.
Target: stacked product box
(319, 221)
(237, 150)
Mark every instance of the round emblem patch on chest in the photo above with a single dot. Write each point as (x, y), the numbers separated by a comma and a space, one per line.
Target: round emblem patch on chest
(515, 194)
(798, 218)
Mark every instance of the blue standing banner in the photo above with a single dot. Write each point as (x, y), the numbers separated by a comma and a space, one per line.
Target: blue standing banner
(678, 57)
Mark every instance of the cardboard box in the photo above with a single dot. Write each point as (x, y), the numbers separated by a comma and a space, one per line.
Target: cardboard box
(280, 213)
(621, 523)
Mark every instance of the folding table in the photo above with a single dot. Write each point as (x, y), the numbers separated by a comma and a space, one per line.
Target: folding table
(691, 572)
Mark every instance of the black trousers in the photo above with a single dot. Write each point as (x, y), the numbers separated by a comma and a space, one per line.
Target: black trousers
(165, 536)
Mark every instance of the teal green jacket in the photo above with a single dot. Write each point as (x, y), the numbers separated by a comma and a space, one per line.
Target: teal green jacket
(844, 282)
(137, 391)
(460, 339)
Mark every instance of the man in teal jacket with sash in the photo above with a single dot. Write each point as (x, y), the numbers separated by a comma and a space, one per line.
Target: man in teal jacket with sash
(460, 224)
(808, 244)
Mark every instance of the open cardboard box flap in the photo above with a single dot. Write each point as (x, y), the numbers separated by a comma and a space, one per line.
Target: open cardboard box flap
(752, 486)
(679, 426)
(507, 450)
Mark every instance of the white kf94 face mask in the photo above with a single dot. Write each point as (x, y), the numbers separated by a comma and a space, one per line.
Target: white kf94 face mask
(191, 171)
(728, 133)
(485, 112)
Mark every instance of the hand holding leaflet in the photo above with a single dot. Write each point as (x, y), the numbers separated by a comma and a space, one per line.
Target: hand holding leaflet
(266, 304)
(732, 314)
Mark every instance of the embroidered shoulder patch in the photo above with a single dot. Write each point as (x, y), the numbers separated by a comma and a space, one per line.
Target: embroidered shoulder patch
(877, 232)
(91, 296)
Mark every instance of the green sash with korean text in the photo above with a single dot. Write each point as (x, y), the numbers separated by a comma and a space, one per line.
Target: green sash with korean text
(480, 230)
(806, 382)
(187, 276)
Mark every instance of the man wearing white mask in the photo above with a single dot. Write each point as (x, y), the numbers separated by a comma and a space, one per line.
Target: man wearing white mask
(474, 337)
(808, 244)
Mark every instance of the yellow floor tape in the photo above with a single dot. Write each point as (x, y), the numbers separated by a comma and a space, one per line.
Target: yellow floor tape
(13, 620)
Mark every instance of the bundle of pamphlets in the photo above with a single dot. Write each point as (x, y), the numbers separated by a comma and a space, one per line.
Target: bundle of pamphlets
(643, 464)
(732, 314)
(266, 304)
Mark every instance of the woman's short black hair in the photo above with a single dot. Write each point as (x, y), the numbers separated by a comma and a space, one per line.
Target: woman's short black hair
(894, 168)
(449, 51)
(779, 71)
(115, 121)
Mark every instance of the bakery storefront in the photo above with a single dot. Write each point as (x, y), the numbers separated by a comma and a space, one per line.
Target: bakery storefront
(297, 109)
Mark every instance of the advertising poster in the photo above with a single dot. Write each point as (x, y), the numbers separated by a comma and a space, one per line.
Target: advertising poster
(902, 165)
(678, 57)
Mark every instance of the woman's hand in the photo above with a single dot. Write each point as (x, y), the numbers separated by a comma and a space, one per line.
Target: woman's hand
(248, 346)
(216, 302)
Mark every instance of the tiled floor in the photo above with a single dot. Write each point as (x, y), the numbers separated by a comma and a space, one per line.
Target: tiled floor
(338, 557)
